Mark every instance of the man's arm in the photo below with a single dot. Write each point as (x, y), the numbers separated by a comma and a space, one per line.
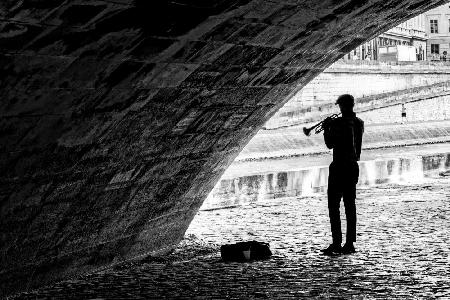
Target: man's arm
(359, 138)
(328, 134)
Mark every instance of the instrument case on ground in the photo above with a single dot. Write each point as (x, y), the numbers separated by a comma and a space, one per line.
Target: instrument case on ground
(245, 251)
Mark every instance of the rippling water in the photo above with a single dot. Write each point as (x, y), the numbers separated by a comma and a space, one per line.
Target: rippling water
(305, 176)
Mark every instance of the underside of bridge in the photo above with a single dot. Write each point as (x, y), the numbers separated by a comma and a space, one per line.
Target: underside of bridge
(119, 116)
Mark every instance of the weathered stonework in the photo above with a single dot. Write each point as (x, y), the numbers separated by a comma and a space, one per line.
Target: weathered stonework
(118, 116)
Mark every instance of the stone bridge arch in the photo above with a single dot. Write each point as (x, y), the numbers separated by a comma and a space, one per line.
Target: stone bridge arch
(118, 116)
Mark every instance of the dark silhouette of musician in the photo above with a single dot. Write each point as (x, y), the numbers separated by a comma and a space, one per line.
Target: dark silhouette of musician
(344, 136)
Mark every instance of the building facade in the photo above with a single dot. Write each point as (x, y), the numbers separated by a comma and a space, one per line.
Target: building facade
(405, 42)
(438, 33)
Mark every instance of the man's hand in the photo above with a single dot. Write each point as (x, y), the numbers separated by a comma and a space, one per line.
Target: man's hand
(327, 123)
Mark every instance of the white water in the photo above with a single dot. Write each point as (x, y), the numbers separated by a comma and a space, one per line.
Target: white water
(258, 181)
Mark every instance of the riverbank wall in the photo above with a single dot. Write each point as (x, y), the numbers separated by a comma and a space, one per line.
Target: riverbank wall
(374, 85)
(290, 141)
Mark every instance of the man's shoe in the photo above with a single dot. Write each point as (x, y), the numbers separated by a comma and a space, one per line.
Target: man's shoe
(332, 250)
(348, 249)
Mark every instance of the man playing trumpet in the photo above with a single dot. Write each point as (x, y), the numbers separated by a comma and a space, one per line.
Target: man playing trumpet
(343, 135)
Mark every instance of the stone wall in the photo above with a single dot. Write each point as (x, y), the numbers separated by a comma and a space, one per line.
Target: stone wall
(427, 121)
(296, 113)
(432, 109)
(290, 141)
(363, 79)
(118, 116)
(376, 80)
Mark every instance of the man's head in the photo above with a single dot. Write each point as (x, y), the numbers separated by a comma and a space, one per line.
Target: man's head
(346, 103)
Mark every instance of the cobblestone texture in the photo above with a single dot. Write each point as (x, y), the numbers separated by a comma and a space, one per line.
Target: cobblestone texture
(402, 253)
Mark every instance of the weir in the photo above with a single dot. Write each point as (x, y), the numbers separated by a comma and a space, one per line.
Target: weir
(257, 188)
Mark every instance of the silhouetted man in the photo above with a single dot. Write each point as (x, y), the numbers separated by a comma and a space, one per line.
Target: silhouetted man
(344, 136)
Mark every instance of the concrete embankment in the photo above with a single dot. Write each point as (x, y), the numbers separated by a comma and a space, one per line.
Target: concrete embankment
(290, 141)
(378, 85)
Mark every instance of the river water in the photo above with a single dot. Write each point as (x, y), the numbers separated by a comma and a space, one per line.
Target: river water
(258, 181)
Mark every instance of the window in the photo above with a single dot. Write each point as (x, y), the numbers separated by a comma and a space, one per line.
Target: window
(448, 25)
(434, 48)
(433, 26)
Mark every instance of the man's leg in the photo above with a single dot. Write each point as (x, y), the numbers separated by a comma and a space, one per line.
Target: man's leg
(334, 198)
(350, 213)
(349, 197)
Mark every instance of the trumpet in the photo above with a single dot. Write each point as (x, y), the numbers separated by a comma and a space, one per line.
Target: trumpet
(319, 126)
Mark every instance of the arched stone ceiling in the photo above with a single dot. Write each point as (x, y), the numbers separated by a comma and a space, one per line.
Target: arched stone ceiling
(118, 117)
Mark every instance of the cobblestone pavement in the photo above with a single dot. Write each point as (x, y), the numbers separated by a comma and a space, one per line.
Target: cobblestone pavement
(403, 253)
